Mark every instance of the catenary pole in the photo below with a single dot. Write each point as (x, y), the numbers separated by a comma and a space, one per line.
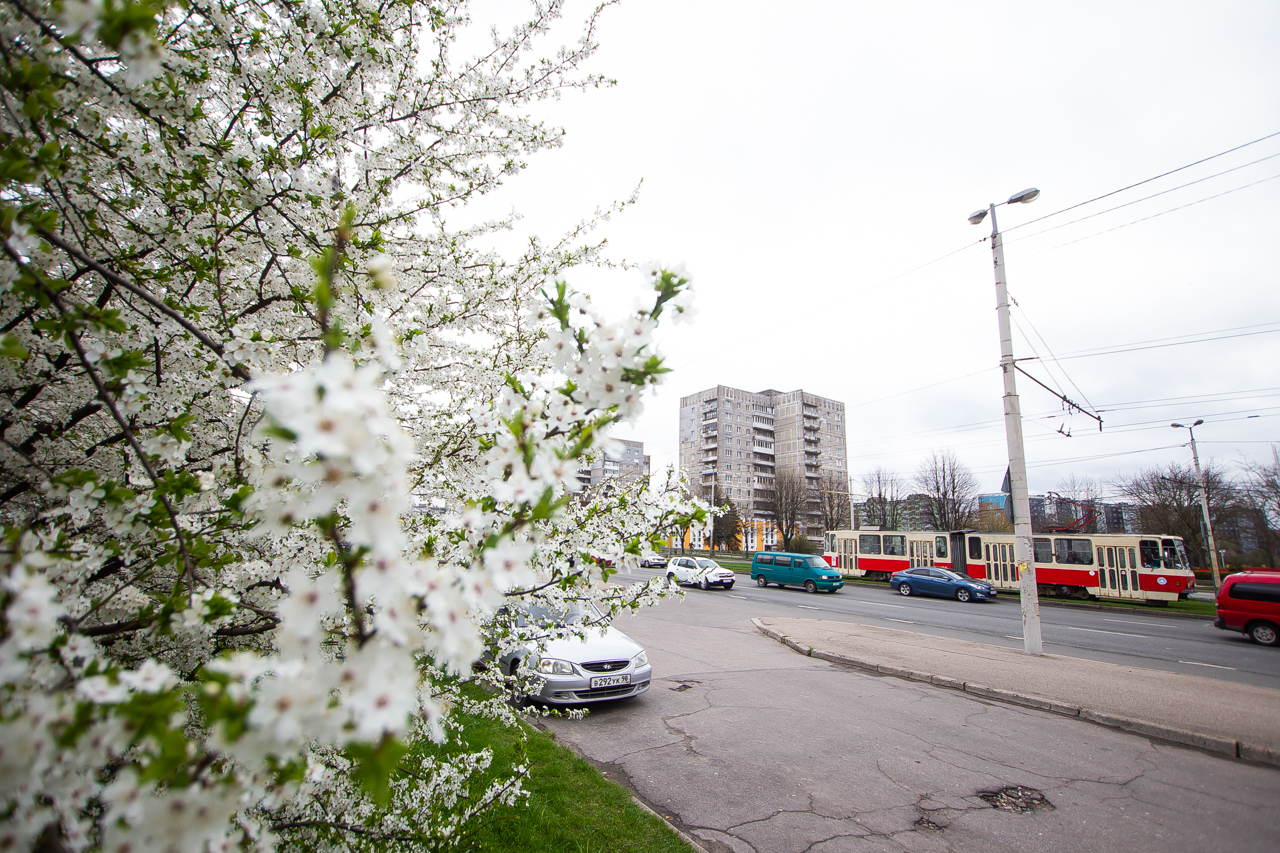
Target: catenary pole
(1022, 544)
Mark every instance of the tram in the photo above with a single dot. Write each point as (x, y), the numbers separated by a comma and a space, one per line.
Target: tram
(1074, 565)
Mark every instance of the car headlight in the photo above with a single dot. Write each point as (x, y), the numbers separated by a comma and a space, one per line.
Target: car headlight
(551, 666)
(640, 660)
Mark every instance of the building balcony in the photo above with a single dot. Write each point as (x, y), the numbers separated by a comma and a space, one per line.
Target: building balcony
(764, 447)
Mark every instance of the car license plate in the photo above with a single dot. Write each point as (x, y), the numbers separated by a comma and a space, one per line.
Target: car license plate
(609, 681)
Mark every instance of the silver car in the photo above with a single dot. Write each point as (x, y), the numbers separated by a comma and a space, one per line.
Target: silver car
(602, 664)
(705, 573)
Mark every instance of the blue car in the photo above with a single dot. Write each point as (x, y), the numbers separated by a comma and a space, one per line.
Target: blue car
(948, 584)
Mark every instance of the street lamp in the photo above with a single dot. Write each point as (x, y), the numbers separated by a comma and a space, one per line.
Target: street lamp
(1204, 502)
(1022, 546)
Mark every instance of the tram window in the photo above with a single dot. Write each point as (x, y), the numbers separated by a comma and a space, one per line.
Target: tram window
(993, 574)
(1133, 559)
(975, 547)
(1100, 563)
(869, 543)
(1102, 578)
(1134, 574)
(1170, 554)
(1124, 581)
(1073, 551)
(1150, 550)
(1121, 555)
(1111, 558)
(1044, 550)
(940, 546)
(1004, 561)
(895, 545)
(1112, 575)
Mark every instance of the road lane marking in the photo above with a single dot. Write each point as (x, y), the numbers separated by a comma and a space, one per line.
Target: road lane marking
(1127, 621)
(1115, 633)
(881, 604)
(743, 597)
(1214, 665)
(808, 607)
(1011, 637)
(903, 621)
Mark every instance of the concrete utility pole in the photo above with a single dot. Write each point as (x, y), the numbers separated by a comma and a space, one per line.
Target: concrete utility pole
(1204, 502)
(1023, 548)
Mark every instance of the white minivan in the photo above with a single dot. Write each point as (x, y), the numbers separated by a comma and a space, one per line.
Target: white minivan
(705, 573)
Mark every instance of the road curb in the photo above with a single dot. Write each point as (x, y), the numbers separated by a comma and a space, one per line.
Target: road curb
(1210, 743)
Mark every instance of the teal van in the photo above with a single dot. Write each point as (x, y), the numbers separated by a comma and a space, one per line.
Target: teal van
(806, 570)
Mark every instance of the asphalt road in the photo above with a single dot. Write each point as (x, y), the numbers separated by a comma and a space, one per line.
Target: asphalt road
(752, 748)
(1173, 644)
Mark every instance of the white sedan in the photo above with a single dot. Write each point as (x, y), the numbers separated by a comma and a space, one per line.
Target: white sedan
(705, 573)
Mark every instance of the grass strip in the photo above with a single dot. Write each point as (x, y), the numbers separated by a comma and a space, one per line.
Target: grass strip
(572, 807)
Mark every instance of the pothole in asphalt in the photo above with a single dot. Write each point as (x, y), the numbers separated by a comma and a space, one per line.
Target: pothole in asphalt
(925, 823)
(1017, 798)
(687, 685)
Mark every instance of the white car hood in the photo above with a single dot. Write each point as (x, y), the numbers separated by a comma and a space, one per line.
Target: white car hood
(611, 644)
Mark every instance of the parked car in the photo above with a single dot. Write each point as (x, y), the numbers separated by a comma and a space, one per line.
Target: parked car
(1249, 602)
(603, 663)
(705, 573)
(806, 570)
(948, 584)
(657, 561)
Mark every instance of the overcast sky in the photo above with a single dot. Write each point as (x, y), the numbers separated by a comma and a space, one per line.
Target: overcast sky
(813, 165)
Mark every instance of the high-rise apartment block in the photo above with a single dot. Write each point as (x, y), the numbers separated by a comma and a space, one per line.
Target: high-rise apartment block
(740, 440)
(626, 460)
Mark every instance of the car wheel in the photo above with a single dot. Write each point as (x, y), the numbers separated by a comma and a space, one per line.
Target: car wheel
(671, 579)
(702, 584)
(962, 595)
(904, 588)
(761, 582)
(810, 586)
(1264, 633)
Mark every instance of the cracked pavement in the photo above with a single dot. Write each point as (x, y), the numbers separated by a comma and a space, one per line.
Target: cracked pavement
(747, 746)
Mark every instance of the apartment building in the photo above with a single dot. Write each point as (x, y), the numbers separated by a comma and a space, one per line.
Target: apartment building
(739, 440)
(627, 461)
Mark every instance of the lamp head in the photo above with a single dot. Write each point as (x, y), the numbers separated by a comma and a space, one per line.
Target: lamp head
(1197, 423)
(1024, 196)
(1177, 426)
(977, 216)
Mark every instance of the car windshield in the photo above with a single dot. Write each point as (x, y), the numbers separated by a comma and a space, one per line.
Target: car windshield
(574, 613)
(951, 575)
(817, 562)
(707, 564)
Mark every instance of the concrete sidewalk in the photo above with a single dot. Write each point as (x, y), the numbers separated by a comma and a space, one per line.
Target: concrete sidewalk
(1233, 719)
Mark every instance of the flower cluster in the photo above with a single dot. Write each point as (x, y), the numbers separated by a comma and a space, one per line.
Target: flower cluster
(278, 443)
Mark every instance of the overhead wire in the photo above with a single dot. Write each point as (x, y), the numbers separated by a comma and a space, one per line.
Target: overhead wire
(1146, 181)
(1148, 218)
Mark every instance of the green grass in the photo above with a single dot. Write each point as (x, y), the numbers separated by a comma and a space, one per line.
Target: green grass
(572, 807)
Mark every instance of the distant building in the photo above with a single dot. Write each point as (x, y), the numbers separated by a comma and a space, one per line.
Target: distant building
(738, 440)
(626, 463)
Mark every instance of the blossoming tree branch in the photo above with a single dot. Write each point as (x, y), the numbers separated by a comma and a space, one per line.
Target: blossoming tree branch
(279, 443)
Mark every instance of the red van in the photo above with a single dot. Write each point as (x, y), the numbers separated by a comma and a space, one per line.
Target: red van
(1249, 602)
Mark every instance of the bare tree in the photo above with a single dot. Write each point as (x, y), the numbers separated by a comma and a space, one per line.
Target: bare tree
(950, 489)
(883, 507)
(832, 496)
(1168, 501)
(1262, 495)
(785, 503)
